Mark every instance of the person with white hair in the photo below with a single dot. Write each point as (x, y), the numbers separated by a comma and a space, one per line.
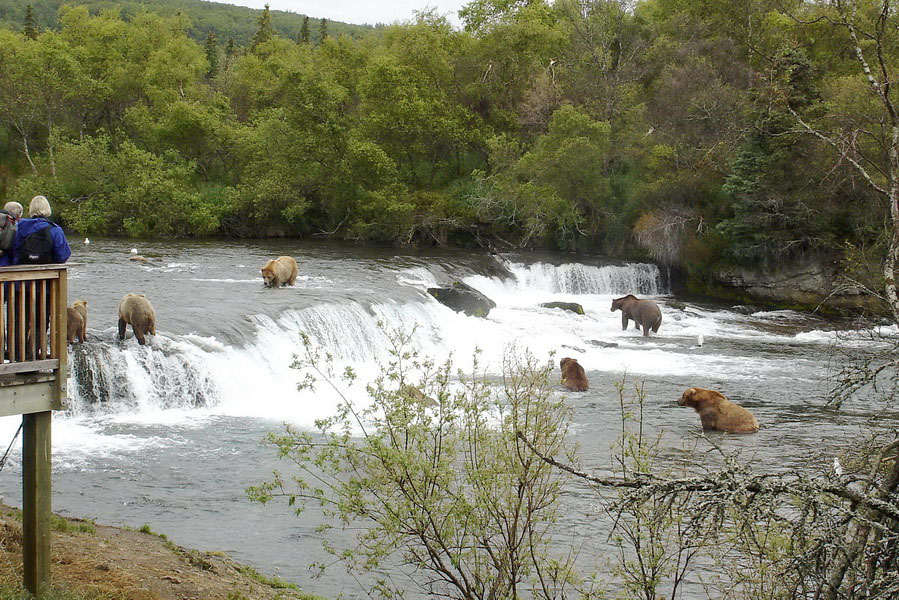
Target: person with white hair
(38, 240)
(8, 226)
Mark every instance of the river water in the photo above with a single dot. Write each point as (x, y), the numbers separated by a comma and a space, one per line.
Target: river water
(170, 434)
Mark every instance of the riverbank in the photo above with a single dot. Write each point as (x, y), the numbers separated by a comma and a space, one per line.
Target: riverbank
(99, 562)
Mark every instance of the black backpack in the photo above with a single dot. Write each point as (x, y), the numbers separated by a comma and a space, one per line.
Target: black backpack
(7, 231)
(37, 248)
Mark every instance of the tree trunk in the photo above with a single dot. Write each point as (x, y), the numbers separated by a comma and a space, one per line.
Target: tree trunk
(28, 152)
(857, 533)
(50, 146)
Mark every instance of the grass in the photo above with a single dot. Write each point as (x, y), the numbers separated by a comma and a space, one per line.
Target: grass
(58, 523)
(273, 582)
(73, 525)
(17, 592)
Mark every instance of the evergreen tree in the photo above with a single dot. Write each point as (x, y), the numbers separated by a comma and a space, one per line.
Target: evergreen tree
(230, 48)
(212, 56)
(323, 29)
(304, 32)
(30, 30)
(265, 31)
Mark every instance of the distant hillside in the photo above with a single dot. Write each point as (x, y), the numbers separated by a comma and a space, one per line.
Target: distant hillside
(224, 20)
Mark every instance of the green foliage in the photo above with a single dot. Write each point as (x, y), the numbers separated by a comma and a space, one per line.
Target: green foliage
(451, 490)
(72, 525)
(771, 218)
(223, 20)
(121, 189)
(582, 126)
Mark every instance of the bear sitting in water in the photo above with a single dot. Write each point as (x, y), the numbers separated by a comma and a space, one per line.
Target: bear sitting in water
(573, 375)
(76, 321)
(717, 412)
(280, 271)
(136, 310)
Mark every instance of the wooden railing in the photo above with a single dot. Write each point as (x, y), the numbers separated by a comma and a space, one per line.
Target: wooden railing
(32, 336)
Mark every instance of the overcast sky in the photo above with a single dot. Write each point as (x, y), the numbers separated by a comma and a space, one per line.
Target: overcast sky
(359, 11)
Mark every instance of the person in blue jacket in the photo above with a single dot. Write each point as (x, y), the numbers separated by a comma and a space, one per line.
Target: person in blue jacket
(38, 241)
(34, 245)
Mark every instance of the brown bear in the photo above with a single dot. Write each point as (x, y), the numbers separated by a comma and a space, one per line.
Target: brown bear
(641, 312)
(76, 321)
(280, 271)
(136, 310)
(573, 375)
(717, 412)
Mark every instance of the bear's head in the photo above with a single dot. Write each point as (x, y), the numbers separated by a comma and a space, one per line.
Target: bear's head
(80, 303)
(694, 397)
(565, 361)
(618, 303)
(268, 273)
(686, 397)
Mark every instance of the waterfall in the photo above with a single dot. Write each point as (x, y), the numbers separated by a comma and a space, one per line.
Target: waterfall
(187, 371)
(641, 279)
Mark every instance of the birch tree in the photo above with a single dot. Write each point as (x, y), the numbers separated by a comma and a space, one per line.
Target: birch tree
(870, 30)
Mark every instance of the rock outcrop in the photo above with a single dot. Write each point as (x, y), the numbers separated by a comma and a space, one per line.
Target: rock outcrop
(463, 298)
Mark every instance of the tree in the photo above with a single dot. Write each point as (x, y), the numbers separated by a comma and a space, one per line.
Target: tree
(450, 492)
(264, 32)
(29, 29)
(323, 30)
(212, 56)
(304, 32)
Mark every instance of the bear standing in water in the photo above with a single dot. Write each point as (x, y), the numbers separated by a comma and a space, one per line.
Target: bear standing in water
(573, 375)
(280, 271)
(641, 312)
(136, 310)
(76, 322)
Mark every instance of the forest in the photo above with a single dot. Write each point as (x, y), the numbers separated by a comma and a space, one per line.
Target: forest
(693, 132)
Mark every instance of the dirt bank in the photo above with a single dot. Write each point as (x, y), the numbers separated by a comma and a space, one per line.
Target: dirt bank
(93, 561)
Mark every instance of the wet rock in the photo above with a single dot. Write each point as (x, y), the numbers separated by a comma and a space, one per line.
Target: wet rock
(569, 306)
(676, 304)
(602, 344)
(745, 309)
(463, 298)
(575, 348)
(138, 258)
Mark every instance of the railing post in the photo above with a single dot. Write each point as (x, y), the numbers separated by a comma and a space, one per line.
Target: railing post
(36, 502)
(59, 346)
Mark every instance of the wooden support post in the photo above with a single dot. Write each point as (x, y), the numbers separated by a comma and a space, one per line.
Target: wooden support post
(36, 502)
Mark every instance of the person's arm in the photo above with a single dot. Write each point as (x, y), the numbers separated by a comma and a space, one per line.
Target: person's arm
(14, 251)
(61, 250)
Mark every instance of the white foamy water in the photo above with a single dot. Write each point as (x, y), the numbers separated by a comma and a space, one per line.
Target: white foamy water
(179, 378)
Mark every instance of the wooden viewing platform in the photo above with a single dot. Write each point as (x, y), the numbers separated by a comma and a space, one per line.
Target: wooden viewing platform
(33, 377)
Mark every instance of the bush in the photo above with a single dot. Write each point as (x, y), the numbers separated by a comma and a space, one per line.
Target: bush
(433, 467)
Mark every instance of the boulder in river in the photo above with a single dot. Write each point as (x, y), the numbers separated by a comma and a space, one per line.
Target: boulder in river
(745, 309)
(602, 344)
(463, 298)
(676, 304)
(570, 306)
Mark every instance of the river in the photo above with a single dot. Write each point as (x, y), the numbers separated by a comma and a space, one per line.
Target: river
(170, 434)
